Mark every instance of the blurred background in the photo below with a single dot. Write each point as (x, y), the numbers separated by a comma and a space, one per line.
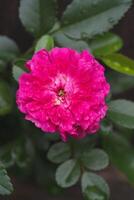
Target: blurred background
(11, 26)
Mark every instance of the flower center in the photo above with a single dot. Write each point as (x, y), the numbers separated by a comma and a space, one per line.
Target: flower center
(60, 97)
(62, 85)
(61, 93)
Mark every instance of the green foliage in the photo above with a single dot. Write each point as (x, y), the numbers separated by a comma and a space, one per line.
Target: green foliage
(88, 18)
(121, 154)
(121, 112)
(119, 63)
(94, 187)
(2, 65)
(59, 152)
(37, 16)
(6, 155)
(19, 65)
(45, 42)
(119, 82)
(64, 41)
(8, 49)
(18, 69)
(5, 98)
(106, 127)
(95, 159)
(6, 187)
(80, 27)
(20, 152)
(68, 173)
(105, 44)
(23, 153)
(79, 147)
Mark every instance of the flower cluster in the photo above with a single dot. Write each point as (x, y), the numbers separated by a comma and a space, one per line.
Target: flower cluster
(63, 92)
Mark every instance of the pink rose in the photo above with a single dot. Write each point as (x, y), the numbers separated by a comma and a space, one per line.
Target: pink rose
(64, 91)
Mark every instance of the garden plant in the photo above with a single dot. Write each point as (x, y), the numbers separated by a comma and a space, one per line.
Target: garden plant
(59, 98)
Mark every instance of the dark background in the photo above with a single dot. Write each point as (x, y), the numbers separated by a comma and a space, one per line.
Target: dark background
(11, 26)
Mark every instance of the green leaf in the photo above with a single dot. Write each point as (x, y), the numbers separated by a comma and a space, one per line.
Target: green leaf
(23, 152)
(20, 152)
(68, 173)
(8, 49)
(88, 18)
(95, 159)
(94, 187)
(6, 156)
(38, 16)
(121, 154)
(64, 41)
(6, 187)
(2, 65)
(105, 44)
(59, 152)
(121, 112)
(17, 71)
(19, 65)
(55, 27)
(5, 98)
(106, 127)
(83, 145)
(45, 42)
(119, 82)
(119, 63)
(18, 68)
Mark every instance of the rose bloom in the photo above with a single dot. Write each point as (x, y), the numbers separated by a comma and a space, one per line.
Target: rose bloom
(63, 92)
